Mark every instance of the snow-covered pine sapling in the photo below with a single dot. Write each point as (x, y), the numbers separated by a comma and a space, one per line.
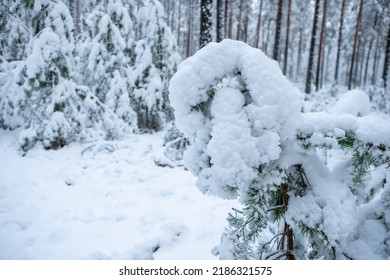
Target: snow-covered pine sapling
(249, 139)
(104, 57)
(238, 110)
(45, 74)
(156, 60)
(147, 98)
(175, 144)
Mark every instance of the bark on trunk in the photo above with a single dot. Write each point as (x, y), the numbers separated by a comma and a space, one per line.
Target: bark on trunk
(220, 21)
(355, 46)
(321, 46)
(339, 41)
(312, 46)
(287, 38)
(205, 23)
(275, 55)
(257, 38)
(387, 58)
(239, 22)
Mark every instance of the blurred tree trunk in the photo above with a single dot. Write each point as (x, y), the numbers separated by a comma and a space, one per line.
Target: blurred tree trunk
(352, 73)
(226, 17)
(387, 59)
(287, 38)
(220, 21)
(321, 45)
(238, 35)
(377, 53)
(205, 22)
(230, 33)
(189, 29)
(339, 41)
(312, 47)
(299, 57)
(369, 51)
(257, 37)
(279, 16)
(179, 24)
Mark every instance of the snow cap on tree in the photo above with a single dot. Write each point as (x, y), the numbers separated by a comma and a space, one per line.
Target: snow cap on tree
(265, 112)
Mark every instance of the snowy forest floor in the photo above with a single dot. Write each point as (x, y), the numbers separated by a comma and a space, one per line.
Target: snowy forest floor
(98, 204)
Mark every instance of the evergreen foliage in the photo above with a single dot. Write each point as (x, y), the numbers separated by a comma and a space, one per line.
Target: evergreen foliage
(156, 60)
(123, 58)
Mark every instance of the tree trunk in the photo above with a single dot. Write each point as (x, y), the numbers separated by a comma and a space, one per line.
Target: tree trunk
(376, 54)
(387, 59)
(323, 68)
(246, 26)
(321, 46)
(239, 22)
(279, 16)
(339, 41)
(230, 33)
(220, 21)
(299, 58)
(189, 29)
(257, 38)
(226, 17)
(355, 45)
(205, 23)
(361, 61)
(287, 38)
(288, 233)
(173, 15)
(179, 24)
(268, 32)
(369, 51)
(367, 62)
(168, 10)
(312, 46)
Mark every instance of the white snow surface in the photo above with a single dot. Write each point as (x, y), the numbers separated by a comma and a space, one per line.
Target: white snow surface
(354, 102)
(105, 200)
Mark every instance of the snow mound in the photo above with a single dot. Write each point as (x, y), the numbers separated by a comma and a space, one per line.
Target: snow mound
(354, 102)
(235, 106)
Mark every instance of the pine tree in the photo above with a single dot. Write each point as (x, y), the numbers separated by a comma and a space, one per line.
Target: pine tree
(104, 60)
(156, 59)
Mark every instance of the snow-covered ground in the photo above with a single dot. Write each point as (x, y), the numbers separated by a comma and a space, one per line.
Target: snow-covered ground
(105, 201)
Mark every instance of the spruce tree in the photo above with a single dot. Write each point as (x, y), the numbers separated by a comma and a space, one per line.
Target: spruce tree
(156, 60)
(104, 57)
(41, 95)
